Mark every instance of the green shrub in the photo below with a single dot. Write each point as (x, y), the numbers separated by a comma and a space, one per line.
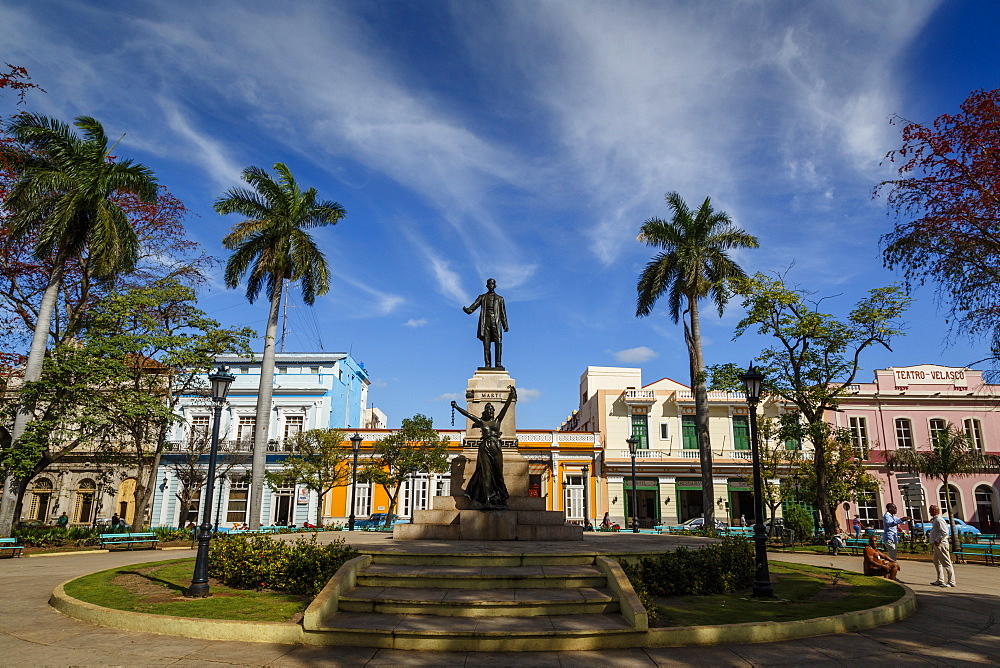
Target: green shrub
(799, 520)
(56, 537)
(167, 534)
(721, 568)
(255, 561)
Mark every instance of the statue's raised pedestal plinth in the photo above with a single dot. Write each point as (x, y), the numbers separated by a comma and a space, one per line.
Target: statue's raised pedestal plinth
(452, 518)
(456, 517)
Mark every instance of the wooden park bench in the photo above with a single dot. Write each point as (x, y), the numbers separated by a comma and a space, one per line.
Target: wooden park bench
(986, 538)
(128, 540)
(10, 544)
(968, 551)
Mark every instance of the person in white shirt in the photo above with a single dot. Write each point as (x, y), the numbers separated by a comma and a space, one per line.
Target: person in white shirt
(938, 537)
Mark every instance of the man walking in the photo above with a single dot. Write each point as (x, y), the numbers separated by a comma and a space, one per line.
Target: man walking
(938, 536)
(890, 534)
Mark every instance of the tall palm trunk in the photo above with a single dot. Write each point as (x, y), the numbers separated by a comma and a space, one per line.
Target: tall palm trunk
(693, 340)
(32, 372)
(952, 532)
(263, 420)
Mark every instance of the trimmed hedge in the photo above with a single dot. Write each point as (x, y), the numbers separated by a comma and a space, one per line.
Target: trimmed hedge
(721, 568)
(255, 561)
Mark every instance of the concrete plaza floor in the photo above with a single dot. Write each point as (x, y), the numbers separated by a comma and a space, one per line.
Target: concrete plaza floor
(953, 627)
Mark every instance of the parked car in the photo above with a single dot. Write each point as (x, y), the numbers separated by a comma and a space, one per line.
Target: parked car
(698, 523)
(377, 521)
(31, 524)
(960, 526)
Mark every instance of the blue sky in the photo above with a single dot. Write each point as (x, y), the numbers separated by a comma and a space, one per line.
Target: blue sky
(524, 141)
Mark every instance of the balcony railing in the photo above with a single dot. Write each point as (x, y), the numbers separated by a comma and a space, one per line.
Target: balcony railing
(640, 396)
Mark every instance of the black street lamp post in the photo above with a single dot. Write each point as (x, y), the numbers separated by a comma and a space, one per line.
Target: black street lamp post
(752, 381)
(586, 505)
(633, 443)
(355, 446)
(220, 379)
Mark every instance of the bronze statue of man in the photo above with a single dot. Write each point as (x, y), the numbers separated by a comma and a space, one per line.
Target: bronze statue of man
(492, 322)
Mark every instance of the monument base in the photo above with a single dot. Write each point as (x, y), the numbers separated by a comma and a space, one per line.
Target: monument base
(452, 518)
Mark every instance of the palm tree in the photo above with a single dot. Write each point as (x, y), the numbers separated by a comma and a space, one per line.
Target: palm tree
(270, 247)
(693, 265)
(951, 454)
(63, 202)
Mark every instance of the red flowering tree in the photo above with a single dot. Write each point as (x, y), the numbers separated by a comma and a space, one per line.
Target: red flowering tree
(947, 203)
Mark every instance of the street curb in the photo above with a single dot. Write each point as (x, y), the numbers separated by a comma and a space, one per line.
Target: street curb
(289, 633)
(758, 632)
(284, 633)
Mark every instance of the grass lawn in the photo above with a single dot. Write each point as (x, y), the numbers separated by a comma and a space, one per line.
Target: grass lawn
(802, 592)
(158, 588)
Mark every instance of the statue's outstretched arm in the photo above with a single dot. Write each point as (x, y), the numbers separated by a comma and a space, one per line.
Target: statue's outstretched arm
(465, 413)
(511, 397)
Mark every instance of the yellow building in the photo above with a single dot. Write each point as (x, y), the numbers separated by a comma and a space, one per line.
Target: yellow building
(563, 467)
(615, 405)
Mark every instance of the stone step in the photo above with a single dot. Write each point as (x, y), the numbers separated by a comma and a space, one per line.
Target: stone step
(484, 634)
(479, 559)
(482, 577)
(464, 503)
(478, 602)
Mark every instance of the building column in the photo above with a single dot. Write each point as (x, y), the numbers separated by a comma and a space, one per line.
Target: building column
(616, 500)
(668, 502)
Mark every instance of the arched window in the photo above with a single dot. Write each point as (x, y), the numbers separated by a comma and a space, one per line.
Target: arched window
(83, 505)
(41, 496)
(985, 515)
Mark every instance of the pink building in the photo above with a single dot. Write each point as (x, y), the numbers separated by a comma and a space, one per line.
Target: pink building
(903, 408)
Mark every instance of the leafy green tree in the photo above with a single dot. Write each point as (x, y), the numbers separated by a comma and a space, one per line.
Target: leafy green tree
(116, 389)
(63, 198)
(815, 357)
(847, 477)
(951, 455)
(318, 461)
(187, 463)
(693, 264)
(415, 448)
(776, 460)
(272, 246)
(157, 346)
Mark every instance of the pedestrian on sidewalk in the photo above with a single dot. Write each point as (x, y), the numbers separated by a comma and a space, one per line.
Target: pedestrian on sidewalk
(938, 536)
(890, 534)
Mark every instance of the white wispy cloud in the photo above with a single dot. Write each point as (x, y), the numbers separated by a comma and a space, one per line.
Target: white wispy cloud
(416, 322)
(448, 396)
(635, 355)
(527, 395)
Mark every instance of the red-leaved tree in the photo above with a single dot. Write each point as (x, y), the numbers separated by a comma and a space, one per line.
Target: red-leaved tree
(947, 203)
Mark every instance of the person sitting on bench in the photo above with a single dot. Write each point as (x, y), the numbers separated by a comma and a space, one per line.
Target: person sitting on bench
(877, 563)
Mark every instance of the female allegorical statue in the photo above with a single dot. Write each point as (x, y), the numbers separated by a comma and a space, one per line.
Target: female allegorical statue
(486, 487)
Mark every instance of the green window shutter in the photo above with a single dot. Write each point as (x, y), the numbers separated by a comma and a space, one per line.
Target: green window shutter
(640, 430)
(741, 432)
(690, 432)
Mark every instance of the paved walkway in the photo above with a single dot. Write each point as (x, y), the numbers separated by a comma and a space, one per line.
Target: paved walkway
(953, 627)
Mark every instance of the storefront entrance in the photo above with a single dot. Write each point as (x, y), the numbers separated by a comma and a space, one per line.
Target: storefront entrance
(647, 501)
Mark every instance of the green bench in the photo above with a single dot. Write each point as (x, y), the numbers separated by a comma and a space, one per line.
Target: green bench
(987, 537)
(128, 540)
(856, 545)
(737, 531)
(10, 544)
(968, 551)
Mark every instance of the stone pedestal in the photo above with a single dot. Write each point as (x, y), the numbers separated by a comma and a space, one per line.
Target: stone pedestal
(453, 517)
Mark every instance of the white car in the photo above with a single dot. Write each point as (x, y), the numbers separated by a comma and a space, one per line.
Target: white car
(698, 523)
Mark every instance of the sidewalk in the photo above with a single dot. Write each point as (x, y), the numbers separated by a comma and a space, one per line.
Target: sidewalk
(952, 627)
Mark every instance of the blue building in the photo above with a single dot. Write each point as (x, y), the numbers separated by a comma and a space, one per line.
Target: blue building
(311, 391)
